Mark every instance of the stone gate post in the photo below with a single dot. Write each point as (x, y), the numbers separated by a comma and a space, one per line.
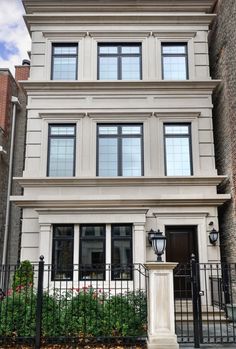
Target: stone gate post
(161, 314)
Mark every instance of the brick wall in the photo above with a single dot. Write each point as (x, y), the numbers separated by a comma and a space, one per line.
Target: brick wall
(223, 66)
(5, 96)
(11, 88)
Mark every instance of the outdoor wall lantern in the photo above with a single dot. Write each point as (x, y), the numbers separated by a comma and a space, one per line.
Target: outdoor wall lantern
(213, 236)
(158, 242)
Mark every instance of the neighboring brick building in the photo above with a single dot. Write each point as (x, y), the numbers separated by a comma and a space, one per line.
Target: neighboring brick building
(223, 66)
(8, 88)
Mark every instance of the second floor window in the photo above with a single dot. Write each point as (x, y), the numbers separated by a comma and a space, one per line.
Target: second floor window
(61, 150)
(178, 154)
(120, 150)
(64, 61)
(174, 61)
(119, 62)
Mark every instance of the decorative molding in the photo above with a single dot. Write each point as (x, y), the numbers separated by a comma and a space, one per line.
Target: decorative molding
(100, 86)
(62, 115)
(107, 115)
(119, 34)
(68, 203)
(34, 6)
(175, 115)
(64, 34)
(118, 181)
(70, 19)
(174, 35)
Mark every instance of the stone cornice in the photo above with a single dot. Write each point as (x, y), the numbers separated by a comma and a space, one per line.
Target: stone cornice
(118, 181)
(67, 203)
(70, 19)
(118, 5)
(115, 86)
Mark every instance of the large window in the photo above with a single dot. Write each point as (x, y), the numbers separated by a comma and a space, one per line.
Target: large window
(64, 61)
(119, 62)
(61, 150)
(178, 154)
(62, 252)
(92, 252)
(121, 251)
(174, 61)
(120, 150)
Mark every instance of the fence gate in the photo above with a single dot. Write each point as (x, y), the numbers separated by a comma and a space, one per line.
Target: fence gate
(205, 303)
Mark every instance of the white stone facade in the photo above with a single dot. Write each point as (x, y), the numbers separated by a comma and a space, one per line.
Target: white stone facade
(153, 200)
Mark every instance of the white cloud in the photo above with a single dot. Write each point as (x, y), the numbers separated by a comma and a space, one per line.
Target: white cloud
(13, 34)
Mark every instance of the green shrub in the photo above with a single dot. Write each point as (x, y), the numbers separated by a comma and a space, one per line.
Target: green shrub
(23, 276)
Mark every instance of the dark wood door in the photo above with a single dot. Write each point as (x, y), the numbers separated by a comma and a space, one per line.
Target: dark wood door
(181, 243)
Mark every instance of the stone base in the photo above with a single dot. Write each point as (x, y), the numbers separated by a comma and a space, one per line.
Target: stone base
(162, 342)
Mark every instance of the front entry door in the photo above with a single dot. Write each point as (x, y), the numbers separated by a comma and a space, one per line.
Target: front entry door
(181, 243)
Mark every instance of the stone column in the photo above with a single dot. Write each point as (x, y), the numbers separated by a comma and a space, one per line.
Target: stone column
(161, 315)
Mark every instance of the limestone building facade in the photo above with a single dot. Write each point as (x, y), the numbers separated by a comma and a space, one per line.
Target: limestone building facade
(119, 133)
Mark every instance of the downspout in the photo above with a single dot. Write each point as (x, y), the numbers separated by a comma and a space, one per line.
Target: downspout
(15, 103)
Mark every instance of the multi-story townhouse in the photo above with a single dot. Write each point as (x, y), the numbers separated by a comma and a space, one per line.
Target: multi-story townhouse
(119, 134)
(222, 54)
(12, 142)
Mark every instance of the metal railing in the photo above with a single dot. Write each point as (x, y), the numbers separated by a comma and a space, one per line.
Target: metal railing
(96, 304)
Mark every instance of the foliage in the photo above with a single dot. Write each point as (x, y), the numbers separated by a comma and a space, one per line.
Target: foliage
(81, 313)
(23, 276)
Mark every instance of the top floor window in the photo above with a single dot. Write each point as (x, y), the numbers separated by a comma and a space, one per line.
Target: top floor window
(174, 61)
(119, 61)
(64, 61)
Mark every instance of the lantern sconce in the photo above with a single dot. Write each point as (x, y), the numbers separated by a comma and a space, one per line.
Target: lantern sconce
(213, 235)
(158, 242)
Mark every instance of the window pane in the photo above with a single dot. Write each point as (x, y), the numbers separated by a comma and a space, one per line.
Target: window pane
(108, 130)
(176, 129)
(62, 130)
(92, 252)
(130, 68)
(108, 49)
(132, 130)
(174, 68)
(61, 157)
(67, 50)
(108, 157)
(108, 68)
(62, 260)
(92, 231)
(121, 252)
(178, 157)
(131, 157)
(174, 49)
(64, 68)
(130, 49)
(122, 231)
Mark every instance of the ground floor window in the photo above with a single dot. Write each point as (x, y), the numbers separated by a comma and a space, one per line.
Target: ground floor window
(62, 252)
(102, 249)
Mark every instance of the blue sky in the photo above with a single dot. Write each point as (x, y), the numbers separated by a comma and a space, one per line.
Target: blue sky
(14, 37)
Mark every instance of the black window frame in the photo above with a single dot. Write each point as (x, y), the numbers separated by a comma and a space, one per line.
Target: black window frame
(119, 136)
(65, 238)
(50, 136)
(118, 267)
(119, 56)
(101, 268)
(185, 44)
(64, 44)
(180, 135)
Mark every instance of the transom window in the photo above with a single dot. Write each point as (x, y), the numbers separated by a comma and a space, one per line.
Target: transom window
(61, 150)
(62, 252)
(119, 61)
(92, 252)
(174, 61)
(120, 150)
(178, 153)
(121, 251)
(64, 61)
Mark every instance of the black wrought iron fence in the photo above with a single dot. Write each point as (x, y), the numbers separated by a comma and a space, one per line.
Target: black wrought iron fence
(101, 304)
(205, 303)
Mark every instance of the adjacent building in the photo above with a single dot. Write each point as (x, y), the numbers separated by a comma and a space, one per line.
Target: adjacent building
(12, 142)
(222, 54)
(119, 134)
